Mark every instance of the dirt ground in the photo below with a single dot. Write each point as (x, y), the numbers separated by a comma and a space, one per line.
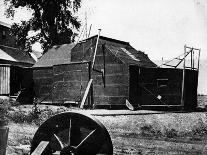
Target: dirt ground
(123, 143)
(135, 134)
(144, 133)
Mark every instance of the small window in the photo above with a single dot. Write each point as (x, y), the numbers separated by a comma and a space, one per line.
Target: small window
(162, 83)
(3, 34)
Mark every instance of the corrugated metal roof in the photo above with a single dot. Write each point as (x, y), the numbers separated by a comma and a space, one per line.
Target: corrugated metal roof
(55, 56)
(129, 55)
(14, 54)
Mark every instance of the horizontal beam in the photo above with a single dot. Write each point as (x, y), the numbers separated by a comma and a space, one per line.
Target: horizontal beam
(161, 105)
(192, 48)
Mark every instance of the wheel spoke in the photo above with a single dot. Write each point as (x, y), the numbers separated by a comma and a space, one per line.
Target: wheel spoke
(59, 141)
(86, 139)
(56, 153)
(69, 133)
(92, 143)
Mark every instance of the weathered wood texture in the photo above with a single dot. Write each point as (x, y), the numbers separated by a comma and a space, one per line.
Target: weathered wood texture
(43, 82)
(3, 139)
(162, 86)
(110, 73)
(4, 80)
(70, 81)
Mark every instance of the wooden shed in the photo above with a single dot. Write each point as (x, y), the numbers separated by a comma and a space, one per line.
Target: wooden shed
(109, 71)
(108, 67)
(15, 72)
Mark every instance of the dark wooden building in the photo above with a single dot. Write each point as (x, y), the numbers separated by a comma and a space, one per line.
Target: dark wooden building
(116, 72)
(15, 65)
(110, 72)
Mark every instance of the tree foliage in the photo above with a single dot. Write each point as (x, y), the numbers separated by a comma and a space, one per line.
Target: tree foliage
(54, 20)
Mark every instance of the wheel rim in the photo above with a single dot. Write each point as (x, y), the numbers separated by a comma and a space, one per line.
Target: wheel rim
(73, 133)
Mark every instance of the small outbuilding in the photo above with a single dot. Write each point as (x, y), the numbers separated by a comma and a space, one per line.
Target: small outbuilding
(15, 71)
(66, 81)
(108, 72)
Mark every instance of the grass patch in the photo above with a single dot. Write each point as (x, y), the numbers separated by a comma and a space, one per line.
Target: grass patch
(36, 116)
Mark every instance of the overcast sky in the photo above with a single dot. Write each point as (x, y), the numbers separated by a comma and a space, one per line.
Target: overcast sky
(161, 28)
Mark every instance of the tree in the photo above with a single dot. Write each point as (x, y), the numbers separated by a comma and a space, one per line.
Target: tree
(54, 21)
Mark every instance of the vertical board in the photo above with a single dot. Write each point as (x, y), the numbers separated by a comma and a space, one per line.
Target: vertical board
(190, 89)
(4, 80)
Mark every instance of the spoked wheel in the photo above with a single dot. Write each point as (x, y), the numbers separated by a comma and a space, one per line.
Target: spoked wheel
(73, 133)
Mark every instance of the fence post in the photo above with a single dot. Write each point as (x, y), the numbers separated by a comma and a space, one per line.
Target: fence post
(4, 131)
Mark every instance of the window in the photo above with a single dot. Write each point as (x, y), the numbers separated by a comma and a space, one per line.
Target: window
(162, 83)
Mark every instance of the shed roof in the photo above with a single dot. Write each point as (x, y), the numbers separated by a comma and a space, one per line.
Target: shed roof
(15, 55)
(125, 52)
(131, 56)
(5, 24)
(109, 39)
(60, 54)
(5, 56)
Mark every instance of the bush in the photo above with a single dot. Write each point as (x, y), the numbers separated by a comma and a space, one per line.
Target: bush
(200, 128)
(4, 106)
(22, 116)
(149, 130)
(171, 133)
(34, 115)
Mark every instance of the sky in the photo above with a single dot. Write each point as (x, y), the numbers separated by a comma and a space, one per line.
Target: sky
(160, 28)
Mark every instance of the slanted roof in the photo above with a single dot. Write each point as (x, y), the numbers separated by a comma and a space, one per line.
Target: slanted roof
(125, 52)
(109, 39)
(5, 56)
(56, 55)
(131, 56)
(15, 55)
(5, 24)
(37, 54)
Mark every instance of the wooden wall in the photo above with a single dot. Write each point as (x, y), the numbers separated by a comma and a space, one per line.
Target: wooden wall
(162, 87)
(69, 78)
(43, 82)
(4, 80)
(111, 90)
(70, 82)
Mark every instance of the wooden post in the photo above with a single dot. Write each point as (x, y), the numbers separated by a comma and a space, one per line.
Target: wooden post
(191, 59)
(94, 55)
(89, 31)
(183, 81)
(199, 52)
(4, 130)
(86, 93)
(90, 97)
(104, 67)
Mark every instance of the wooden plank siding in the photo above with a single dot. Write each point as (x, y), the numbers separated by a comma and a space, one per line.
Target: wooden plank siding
(4, 80)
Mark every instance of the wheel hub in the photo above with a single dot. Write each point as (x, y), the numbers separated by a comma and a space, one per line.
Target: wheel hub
(68, 151)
